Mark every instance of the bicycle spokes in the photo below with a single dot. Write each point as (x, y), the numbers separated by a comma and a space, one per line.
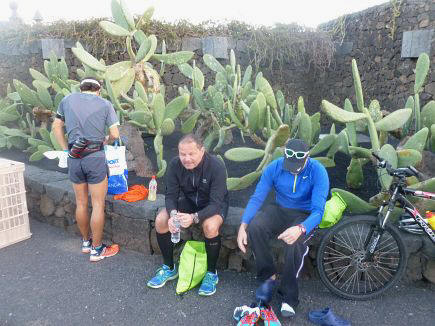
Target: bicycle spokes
(345, 262)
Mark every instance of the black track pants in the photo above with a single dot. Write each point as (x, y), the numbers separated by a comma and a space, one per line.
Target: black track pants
(268, 225)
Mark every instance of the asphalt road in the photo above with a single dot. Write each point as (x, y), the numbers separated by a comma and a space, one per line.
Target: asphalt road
(46, 281)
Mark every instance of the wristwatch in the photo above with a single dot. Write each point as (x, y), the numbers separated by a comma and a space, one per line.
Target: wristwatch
(195, 218)
(302, 228)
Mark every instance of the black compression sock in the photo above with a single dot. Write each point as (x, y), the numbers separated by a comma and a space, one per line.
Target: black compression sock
(167, 248)
(212, 247)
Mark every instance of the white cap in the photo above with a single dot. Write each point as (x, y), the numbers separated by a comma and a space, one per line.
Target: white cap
(92, 81)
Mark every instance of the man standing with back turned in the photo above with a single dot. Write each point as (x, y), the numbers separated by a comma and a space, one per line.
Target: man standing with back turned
(301, 187)
(86, 116)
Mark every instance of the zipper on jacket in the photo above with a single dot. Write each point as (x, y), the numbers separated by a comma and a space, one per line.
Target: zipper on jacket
(193, 182)
(294, 183)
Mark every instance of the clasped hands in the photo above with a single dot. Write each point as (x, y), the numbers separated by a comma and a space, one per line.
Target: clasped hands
(185, 220)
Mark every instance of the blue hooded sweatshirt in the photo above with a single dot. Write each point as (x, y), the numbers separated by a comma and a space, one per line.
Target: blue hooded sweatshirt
(307, 191)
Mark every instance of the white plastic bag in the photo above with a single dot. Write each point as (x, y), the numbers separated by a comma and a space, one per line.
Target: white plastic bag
(61, 155)
(118, 173)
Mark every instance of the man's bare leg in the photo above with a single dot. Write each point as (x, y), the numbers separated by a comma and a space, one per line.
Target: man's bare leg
(98, 196)
(211, 226)
(162, 222)
(82, 216)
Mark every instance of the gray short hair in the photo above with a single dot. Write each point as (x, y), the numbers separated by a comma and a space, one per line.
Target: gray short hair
(191, 138)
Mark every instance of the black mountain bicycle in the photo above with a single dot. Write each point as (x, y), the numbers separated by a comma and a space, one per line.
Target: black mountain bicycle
(362, 256)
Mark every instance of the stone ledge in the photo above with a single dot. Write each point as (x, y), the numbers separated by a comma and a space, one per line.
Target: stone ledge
(51, 199)
(36, 178)
(56, 185)
(56, 190)
(143, 209)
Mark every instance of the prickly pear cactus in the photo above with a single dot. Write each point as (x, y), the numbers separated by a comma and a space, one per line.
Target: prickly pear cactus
(277, 139)
(122, 75)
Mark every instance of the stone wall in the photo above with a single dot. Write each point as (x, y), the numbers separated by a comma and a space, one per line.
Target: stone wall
(15, 61)
(385, 75)
(50, 199)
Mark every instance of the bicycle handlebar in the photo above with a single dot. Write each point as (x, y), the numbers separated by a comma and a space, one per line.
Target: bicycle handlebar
(420, 176)
(400, 172)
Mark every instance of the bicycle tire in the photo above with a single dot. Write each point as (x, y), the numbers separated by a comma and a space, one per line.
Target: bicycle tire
(333, 241)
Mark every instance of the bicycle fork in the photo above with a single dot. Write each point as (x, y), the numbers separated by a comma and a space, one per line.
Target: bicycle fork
(376, 232)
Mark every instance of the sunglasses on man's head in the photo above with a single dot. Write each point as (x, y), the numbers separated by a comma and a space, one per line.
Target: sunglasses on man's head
(299, 155)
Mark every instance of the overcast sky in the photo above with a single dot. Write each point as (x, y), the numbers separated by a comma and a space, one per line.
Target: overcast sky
(304, 12)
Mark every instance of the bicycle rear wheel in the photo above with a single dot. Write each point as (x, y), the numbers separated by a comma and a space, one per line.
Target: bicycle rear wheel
(341, 265)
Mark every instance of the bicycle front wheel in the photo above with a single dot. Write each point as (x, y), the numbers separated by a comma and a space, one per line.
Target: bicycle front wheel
(341, 259)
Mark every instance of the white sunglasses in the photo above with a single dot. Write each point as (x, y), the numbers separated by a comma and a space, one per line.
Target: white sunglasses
(299, 155)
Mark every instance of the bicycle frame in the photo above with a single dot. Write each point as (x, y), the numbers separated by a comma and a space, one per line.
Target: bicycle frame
(398, 195)
(410, 208)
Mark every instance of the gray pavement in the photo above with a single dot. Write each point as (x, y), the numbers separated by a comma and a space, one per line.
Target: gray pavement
(46, 281)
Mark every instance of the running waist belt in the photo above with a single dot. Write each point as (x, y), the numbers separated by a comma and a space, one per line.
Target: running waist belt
(82, 147)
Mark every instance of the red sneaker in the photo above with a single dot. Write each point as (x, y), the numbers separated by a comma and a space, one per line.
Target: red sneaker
(250, 317)
(103, 252)
(269, 317)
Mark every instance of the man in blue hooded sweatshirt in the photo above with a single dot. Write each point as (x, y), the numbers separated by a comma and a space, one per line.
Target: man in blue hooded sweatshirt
(301, 187)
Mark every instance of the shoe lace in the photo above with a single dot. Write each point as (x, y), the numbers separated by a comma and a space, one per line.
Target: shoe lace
(208, 279)
(162, 271)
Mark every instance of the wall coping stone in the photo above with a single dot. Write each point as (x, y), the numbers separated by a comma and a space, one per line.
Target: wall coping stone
(50, 45)
(37, 178)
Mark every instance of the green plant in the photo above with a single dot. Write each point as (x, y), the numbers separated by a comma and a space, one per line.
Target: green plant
(38, 147)
(413, 102)
(243, 154)
(51, 88)
(121, 76)
(378, 127)
(395, 12)
(408, 154)
(356, 205)
(9, 118)
(146, 108)
(158, 118)
(12, 137)
(339, 28)
(302, 126)
(224, 105)
(37, 108)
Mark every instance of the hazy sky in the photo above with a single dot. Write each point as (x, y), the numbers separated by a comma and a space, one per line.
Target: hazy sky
(304, 12)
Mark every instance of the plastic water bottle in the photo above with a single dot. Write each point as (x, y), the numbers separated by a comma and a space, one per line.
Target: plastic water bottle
(152, 189)
(175, 237)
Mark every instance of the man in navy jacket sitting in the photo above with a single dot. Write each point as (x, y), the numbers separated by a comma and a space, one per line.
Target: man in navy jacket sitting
(301, 187)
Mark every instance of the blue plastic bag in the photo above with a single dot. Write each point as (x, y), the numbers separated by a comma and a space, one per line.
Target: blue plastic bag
(118, 173)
